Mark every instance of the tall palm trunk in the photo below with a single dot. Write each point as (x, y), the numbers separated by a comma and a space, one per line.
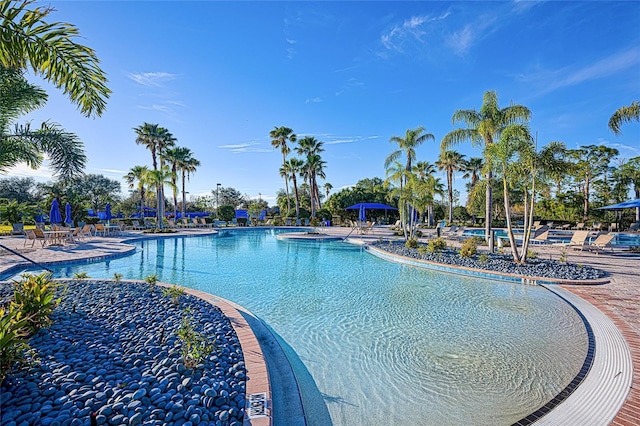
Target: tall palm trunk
(184, 196)
(488, 207)
(286, 182)
(450, 193)
(295, 190)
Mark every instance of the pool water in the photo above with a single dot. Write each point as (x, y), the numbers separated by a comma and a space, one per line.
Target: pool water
(385, 343)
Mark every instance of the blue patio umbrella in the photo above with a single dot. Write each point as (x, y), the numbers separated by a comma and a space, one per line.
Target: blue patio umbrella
(67, 214)
(108, 212)
(54, 213)
(362, 216)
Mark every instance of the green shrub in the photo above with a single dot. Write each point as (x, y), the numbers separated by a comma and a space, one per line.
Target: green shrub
(278, 221)
(423, 249)
(80, 275)
(195, 346)
(411, 243)
(469, 247)
(436, 245)
(174, 292)
(151, 279)
(117, 277)
(531, 254)
(419, 233)
(13, 343)
(323, 214)
(483, 258)
(35, 298)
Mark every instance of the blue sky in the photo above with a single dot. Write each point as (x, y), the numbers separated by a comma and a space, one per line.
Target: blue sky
(221, 75)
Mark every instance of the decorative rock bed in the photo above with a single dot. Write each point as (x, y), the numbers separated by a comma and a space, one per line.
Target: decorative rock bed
(113, 350)
(498, 263)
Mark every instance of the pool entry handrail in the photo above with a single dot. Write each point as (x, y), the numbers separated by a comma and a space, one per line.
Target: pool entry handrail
(25, 258)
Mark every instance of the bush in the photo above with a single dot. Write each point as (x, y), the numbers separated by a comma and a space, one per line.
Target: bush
(323, 214)
(314, 221)
(174, 292)
(242, 221)
(226, 213)
(195, 346)
(423, 249)
(411, 243)
(483, 258)
(469, 247)
(437, 244)
(34, 297)
(13, 343)
(278, 221)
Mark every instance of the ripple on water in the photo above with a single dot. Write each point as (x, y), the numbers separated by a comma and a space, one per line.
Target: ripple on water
(386, 343)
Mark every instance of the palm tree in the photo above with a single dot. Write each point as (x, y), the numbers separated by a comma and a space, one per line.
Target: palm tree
(138, 173)
(311, 148)
(450, 162)
(159, 178)
(399, 176)
(50, 51)
(513, 155)
(180, 160)
(407, 145)
(483, 127)
(294, 166)
(623, 115)
(472, 169)
(279, 137)
(21, 143)
(148, 135)
(327, 188)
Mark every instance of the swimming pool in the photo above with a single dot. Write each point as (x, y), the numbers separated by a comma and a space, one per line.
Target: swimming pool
(560, 236)
(385, 343)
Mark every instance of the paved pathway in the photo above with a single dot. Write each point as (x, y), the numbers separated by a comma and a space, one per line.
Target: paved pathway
(618, 300)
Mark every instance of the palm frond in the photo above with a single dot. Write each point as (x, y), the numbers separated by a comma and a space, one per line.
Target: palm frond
(623, 115)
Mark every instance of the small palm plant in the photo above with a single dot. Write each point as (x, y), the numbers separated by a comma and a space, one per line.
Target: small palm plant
(174, 292)
(80, 275)
(195, 346)
(117, 277)
(151, 279)
(13, 343)
(35, 297)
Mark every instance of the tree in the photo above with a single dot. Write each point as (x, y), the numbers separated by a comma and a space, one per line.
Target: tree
(27, 41)
(21, 143)
(407, 146)
(450, 162)
(279, 138)
(19, 189)
(624, 114)
(484, 127)
(311, 148)
(327, 188)
(180, 160)
(631, 171)
(230, 196)
(159, 178)
(294, 167)
(590, 162)
(138, 173)
(511, 156)
(226, 212)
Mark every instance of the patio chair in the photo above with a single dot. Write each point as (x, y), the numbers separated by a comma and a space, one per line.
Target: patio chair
(99, 229)
(136, 225)
(597, 226)
(613, 227)
(86, 231)
(541, 238)
(287, 222)
(40, 236)
(30, 235)
(603, 241)
(196, 223)
(204, 223)
(18, 228)
(578, 240)
(634, 227)
(579, 226)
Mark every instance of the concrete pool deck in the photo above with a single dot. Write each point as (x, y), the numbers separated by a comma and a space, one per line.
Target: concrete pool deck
(616, 300)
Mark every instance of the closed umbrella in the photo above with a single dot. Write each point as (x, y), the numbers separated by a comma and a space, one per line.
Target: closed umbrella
(54, 213)
(108, 212)
(362, 216)
(67, 214)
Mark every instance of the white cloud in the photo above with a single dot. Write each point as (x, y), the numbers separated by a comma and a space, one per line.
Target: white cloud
(550, 80)
(314, 100)
(42, 174)
(245, 147)
(152, 79)
(335, 140)
(462, 40)
(112, 171)
(410, 30)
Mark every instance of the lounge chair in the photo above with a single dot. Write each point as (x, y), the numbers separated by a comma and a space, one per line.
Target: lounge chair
(597, 226)
(366, 227)
(136, 225)
(579, 226)
(603, 241)
(99, 229)
(18, 229)
(41, 236)
(86, 232)
(541, 238)
(634, 227)
(30, 235)
(578, 240)
(613, 227)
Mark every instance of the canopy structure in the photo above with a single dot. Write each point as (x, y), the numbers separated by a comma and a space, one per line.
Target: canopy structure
(631, 204)
(379, 206)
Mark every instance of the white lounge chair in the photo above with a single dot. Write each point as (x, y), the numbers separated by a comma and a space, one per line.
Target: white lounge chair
(578, 240)
(601, 242)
